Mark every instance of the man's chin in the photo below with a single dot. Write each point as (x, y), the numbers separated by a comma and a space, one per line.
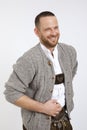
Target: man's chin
(53, 45)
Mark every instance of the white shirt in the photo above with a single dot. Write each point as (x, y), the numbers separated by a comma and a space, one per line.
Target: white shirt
(59, 89)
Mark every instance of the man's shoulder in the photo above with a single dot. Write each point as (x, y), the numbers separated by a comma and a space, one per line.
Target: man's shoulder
(31, 54)
(67, 47)
(31, 51)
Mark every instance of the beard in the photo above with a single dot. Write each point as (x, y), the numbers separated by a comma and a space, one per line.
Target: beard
(49, 43)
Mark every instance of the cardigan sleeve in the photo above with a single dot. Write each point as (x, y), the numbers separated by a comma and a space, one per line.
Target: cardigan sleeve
(73, 58)
(22, 75)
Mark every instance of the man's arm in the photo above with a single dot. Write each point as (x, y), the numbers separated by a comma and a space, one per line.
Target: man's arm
(73, 58)
(50, 107)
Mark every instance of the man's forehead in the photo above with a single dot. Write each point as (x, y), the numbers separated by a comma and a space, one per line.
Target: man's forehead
(48, 20)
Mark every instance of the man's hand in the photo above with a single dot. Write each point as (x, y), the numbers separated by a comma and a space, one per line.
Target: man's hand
(52, 107)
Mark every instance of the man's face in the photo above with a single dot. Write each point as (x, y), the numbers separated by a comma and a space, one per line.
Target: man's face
(48, 31)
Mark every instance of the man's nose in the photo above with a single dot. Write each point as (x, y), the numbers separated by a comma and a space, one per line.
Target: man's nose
(53, 32)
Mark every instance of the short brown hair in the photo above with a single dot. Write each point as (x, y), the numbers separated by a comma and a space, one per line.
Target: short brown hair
(42, 14)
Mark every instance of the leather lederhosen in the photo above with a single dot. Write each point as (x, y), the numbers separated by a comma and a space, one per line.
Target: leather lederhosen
(59, 78)
(24, 128)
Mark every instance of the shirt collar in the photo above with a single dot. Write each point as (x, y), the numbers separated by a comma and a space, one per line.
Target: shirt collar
(47, 51)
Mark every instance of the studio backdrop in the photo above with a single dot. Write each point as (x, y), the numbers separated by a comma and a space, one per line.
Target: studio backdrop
(17, 36)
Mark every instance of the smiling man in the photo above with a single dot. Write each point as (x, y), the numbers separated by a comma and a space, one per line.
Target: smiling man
(41, 82)
(48, 31)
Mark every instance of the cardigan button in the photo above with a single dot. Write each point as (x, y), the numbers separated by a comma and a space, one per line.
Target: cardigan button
(51, 90)
(68, 82)
(49, 63)
(69, 93)
(53, 77)
(48, 117)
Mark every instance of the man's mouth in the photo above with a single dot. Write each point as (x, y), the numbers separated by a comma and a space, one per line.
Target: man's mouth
(53, 39)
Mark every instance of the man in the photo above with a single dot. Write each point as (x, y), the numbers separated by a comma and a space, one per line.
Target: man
(41, 82)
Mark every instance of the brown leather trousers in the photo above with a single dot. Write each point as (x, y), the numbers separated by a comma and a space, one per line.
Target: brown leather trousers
(61, 121)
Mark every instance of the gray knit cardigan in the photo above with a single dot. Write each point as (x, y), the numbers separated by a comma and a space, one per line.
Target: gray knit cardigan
(33, 76)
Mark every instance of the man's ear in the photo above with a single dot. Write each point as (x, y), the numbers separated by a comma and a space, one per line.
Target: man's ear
(36, 31)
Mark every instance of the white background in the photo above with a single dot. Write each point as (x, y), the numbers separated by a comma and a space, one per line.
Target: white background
(17, 36)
